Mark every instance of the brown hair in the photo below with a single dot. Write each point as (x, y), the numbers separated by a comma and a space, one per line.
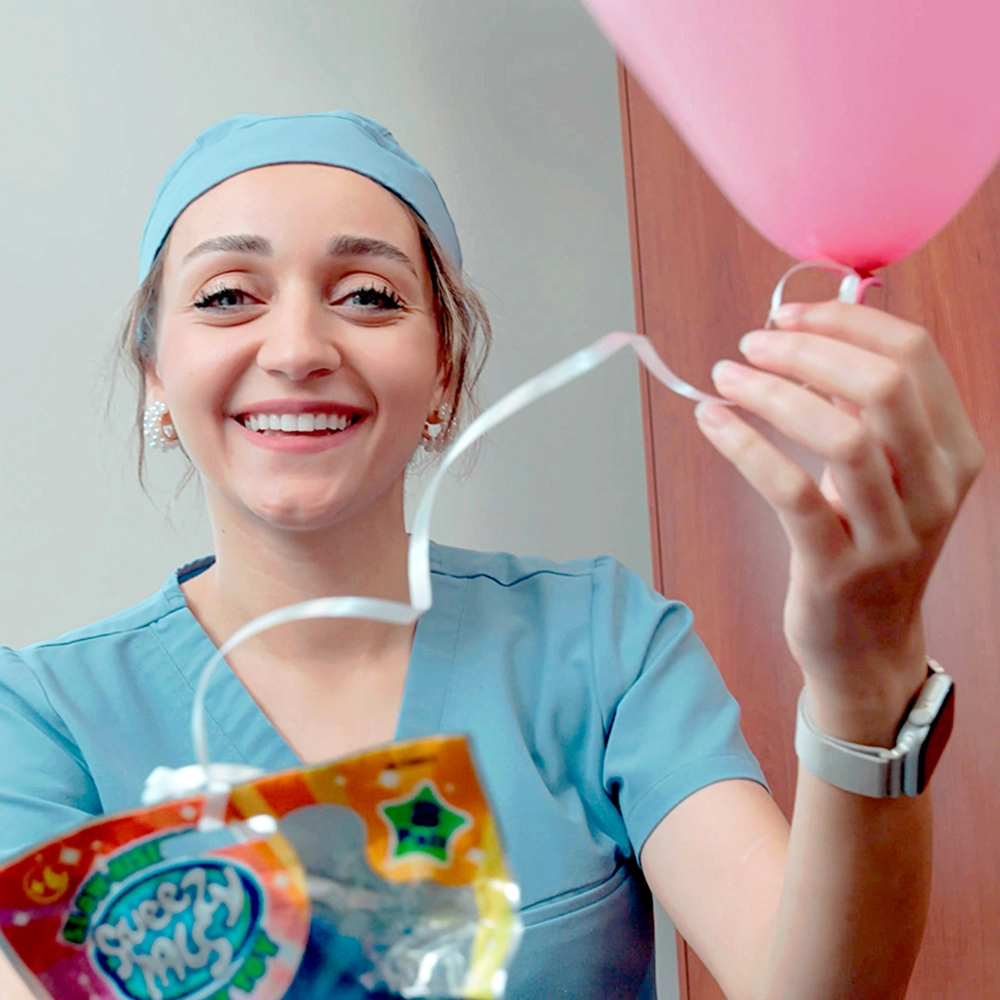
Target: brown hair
(462, 320)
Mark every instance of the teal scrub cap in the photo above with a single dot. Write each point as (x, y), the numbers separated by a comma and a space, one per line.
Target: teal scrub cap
(335, 138)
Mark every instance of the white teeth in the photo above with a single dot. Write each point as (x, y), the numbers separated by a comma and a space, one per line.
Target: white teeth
(296, 423)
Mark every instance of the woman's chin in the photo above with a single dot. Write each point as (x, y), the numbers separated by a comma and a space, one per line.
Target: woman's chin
(310, 504)
(299, 514)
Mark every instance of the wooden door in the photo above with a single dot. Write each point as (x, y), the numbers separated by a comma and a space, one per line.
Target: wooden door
(703, 277)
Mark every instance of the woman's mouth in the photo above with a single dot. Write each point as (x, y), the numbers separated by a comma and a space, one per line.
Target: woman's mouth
(298, 424)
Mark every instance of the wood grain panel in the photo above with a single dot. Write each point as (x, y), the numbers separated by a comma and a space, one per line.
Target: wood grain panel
(703, 277)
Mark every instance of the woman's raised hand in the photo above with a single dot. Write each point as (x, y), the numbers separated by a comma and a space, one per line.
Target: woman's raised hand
(870, 395)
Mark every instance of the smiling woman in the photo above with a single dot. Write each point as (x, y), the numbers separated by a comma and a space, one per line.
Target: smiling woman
(275, 324)
(462, 321)
(302, 326)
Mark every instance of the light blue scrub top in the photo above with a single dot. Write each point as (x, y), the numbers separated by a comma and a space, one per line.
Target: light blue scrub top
(593, 707)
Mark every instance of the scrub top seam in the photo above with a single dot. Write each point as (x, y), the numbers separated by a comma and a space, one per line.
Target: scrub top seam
(594, 679)
(61, 642)
(67, 734)
(544, 571)
(454, 647)
(208, 712)
(592, 888)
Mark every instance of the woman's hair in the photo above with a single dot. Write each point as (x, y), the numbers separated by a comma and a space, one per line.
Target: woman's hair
(462, 321)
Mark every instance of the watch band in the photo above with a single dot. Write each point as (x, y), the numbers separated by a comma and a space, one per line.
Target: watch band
(883, 772)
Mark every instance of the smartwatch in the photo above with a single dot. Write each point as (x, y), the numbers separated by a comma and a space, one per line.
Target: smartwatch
(881, 772)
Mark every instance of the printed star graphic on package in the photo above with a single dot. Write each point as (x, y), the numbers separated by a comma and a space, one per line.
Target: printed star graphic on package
(423, 824)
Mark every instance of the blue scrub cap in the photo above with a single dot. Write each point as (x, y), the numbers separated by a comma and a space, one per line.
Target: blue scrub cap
(335, 138)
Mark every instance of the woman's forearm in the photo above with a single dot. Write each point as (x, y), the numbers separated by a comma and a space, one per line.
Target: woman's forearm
(855, 893)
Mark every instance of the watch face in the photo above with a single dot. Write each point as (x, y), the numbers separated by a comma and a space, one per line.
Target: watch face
(933, 746)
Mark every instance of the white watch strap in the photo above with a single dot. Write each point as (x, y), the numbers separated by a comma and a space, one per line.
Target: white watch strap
(873, 771)
(878, 772)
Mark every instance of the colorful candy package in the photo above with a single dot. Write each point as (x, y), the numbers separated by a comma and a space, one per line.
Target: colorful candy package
(376, 875)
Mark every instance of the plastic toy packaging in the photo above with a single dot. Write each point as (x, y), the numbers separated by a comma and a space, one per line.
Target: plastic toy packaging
(376, 875)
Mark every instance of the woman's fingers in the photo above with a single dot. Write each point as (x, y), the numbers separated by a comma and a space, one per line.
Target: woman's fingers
(830, 492)
(910, 346)
(885, 416)
(859, 466)
(880, 392)
(808, 520)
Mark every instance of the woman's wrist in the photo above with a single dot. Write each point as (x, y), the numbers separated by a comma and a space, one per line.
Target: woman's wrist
(869, 714)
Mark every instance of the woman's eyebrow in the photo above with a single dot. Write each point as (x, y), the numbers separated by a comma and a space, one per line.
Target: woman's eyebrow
(242, 243)
(366, 246)
(339, 246)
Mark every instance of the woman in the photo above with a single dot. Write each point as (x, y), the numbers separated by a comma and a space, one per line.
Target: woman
(302, 326)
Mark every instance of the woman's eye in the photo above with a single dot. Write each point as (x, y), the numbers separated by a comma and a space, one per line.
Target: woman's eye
(372, 298)
(223, 298)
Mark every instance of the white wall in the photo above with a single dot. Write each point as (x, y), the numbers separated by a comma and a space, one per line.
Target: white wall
(511, 103)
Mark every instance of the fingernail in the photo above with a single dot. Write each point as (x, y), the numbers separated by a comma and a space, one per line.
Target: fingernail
(789, 313)
(708, 413)
(723, 371)
(749, 341)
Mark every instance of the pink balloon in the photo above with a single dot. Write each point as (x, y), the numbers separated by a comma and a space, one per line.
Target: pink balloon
(851, 130)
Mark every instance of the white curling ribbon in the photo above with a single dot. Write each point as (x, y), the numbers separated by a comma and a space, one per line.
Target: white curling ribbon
(560, 374)
(165, 783)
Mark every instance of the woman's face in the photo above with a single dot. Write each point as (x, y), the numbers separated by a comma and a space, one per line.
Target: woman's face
(297, 295)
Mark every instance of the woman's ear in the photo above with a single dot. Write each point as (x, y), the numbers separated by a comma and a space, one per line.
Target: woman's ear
(442, 395)
(152, 386)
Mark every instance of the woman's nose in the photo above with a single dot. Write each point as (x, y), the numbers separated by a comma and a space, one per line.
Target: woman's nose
(299, 342)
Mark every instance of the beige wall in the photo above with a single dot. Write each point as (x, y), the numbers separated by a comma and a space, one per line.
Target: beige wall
(513, 105)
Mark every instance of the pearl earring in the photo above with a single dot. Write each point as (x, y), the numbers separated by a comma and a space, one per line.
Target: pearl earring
(434, 437)
(157, 427)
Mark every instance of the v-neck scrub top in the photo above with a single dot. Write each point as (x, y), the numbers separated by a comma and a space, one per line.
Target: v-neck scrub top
(592, 706)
